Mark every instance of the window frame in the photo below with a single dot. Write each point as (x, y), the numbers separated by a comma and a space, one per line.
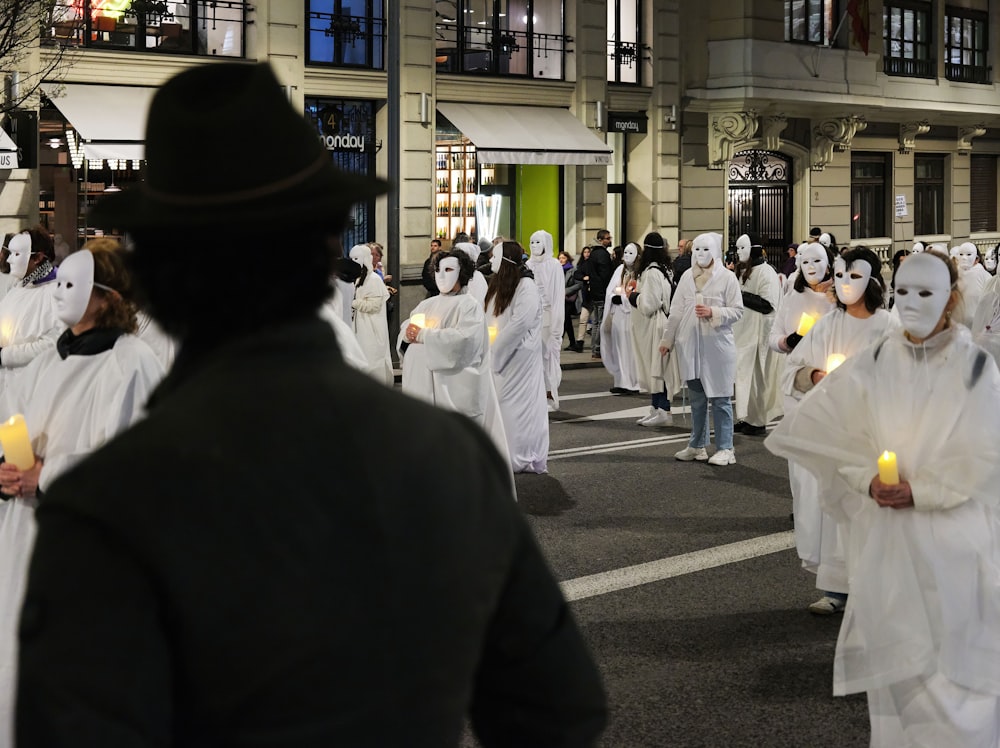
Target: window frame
(371, 31)
(877, 189)
(983, 202)
(829, 15)
(929, 190)
(913, 65)
(620, 52)
(967, 72)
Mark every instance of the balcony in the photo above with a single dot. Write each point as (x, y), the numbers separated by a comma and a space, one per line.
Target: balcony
(909, 68)
(504, 52)
(346, 40)
(968, 73)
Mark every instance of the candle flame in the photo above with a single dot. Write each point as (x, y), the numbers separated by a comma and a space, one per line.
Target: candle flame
(418, 320)
(835, 360)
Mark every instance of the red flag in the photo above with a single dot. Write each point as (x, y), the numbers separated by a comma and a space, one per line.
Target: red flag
(858, 11)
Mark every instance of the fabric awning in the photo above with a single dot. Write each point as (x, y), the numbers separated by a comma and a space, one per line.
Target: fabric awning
(526, 134)
(111, 120)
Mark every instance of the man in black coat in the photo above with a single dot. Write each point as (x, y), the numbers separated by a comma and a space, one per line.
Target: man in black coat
(596, 272)
(274, 557)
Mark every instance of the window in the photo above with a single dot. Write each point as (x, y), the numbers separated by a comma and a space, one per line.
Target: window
(346, 33)
(500, 37)
(966, 41)
(809, 21)
(869, 195)
(197, 27)
(983, 210)
(625, 50)
(928, 194)
(907, 42)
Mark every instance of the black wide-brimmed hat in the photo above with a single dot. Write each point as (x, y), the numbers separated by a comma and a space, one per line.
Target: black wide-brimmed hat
(224, 145)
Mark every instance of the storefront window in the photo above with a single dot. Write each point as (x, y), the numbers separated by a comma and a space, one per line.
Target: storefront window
(347, 131)
(347, 33)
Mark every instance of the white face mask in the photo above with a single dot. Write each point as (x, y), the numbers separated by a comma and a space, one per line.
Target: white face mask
(362, 255)
(629, 254)
(813, 263)
(446, 275)
(923, 288)
(852, 281)
(497, 259)
(917, 248)
(826, 240)
(702, 254)
(743, 248)
(74, 283)
(540, 244)
(990, 261)
(966, 256)
(20, 255)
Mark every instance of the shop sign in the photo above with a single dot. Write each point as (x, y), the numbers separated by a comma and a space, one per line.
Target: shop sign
(8, 159)
(346, 126)
(627, 122)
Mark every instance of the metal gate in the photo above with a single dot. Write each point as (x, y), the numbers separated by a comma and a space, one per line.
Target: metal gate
(760, 201)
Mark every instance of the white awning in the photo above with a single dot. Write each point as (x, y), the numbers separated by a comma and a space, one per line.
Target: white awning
(526, 134)
(111, 120)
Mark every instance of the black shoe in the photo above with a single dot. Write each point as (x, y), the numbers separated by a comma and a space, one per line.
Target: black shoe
(570, 347)
(749, 430)
(739, 426)
(619, 391)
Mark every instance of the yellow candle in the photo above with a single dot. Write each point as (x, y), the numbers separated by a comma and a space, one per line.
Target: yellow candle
(888, 473)
(16, 443)
(806, 322)
(418, 320)
(835, 360)
(493, 330)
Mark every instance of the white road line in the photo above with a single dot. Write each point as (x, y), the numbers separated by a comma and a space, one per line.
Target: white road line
(675, 566)
(584, 396)
(622, 446)
(616, 414)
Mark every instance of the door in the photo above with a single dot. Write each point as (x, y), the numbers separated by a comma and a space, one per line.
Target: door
(760, 201)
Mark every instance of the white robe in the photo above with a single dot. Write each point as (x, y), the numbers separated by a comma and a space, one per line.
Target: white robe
(450, 366)
(516, 358)
(758, 368)
(617, 351)
(162, 344)
(71, 408)
(347, 341)
(477, 288)
(925, 581)
(705, 347)
(28, 326)
(649, 319)
(7, 282)
(550, 278)
(371, 326)
(973, 284)
(817, 538)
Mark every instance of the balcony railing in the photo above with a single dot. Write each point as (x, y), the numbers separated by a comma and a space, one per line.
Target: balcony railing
(203, 27)
(968, 73)
(910, 68)
(347, 40)
(507, 52)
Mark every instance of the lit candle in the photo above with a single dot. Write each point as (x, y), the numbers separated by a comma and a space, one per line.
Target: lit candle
(619, 290)
(806, 322)
(16, 443)
(493, 330)
(835, 360)
(888, 473)
(418, 320)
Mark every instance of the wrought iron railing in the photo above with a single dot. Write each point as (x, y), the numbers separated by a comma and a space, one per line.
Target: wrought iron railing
(968, 73)
(500, 52)
(904, 66)
(343, 39)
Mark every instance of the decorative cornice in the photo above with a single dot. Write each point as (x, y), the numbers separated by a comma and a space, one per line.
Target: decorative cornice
(834, 135)
(965, 136)
(908, 132)
(771, 128)
(725, 130)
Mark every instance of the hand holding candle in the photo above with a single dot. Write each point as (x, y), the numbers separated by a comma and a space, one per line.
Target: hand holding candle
(419, 320)
(16, 443)
(806, 322)
(888, 472)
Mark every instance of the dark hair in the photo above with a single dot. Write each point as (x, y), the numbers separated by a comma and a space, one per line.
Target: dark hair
(654, 249)
(815, 231)
(800, 280)
(251, 296)
(617, 255)
(756, 252)
(603, 234)
(503, 283)
(5, 253)
(897, 260)
(874, 296)
(41, 242)
(465, 267)
(110, 269)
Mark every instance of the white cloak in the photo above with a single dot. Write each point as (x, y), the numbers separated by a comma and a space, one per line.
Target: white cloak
(817, 537)
(617, 351)
(649, 319)
(477, 288)
(704, 347)
(516, 358)
(28, 325)
(71, 407)
(758, 368)
(371, 326)
(347, 341)
(450, 366)
(973, 284)
(162, 344)
(925, 582)
(550, 278)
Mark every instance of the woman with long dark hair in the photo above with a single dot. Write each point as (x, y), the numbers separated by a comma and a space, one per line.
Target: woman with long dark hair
(514, 309)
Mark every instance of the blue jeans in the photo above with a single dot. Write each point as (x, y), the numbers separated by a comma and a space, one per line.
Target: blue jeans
(722, 416)
(595, 333)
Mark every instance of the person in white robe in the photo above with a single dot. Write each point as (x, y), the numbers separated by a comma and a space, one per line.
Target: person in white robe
(162, 344)
(514, 308)
(28, 322)
(650, 302)
(347, 341)
(699, 332)
(476, 287)
(973, 279)
(370, 325)
(551, 281)
(74, 397)
(444, 348)
(921, 633)
(758, 367)
(858, 321)
(617, 350)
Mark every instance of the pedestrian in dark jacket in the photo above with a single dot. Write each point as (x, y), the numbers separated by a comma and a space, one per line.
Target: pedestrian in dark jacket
(596, 271)
(240, 568)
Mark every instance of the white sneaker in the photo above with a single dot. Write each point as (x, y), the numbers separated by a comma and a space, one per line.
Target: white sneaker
(659, 419)
(690, 453)
(723, 457)
(650, 414)
(552, 406)
(827, 606)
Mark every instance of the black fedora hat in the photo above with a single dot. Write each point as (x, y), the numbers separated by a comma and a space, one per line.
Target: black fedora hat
(223, 144)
